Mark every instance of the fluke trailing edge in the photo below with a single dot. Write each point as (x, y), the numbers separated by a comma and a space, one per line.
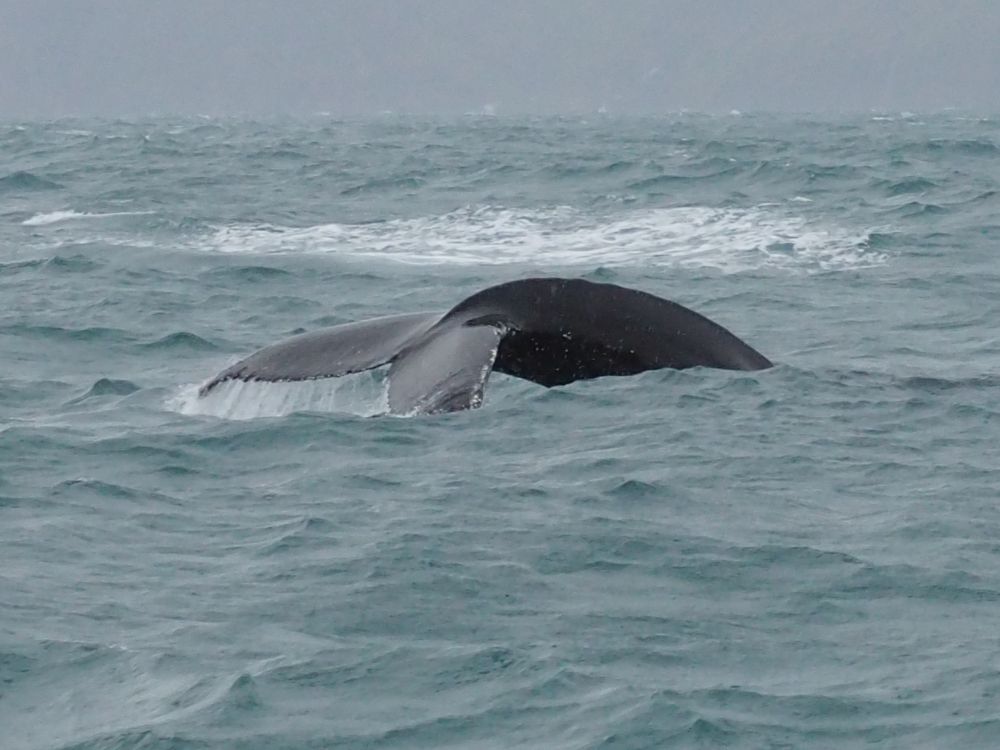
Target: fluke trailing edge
(551, 331)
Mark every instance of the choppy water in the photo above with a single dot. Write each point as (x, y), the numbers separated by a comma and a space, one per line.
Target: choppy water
(801, 557)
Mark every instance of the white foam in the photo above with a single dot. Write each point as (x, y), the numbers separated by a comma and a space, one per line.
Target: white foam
(728, 239)
(364, 394)
(54, 217)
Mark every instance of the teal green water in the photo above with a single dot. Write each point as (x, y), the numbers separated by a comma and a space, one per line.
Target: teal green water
(804, 557)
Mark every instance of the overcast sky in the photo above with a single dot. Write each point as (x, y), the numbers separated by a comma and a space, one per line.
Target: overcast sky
(349, 57)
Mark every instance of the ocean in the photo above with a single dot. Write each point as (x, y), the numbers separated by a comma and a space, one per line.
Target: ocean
(801, 557)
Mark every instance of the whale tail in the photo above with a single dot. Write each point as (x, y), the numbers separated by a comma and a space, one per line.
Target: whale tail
(549, 331)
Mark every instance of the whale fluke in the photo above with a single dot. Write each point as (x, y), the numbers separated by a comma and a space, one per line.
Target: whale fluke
(330, 352)
(551, 331)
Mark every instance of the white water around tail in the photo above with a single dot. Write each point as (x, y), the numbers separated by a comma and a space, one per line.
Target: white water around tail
(363, 394)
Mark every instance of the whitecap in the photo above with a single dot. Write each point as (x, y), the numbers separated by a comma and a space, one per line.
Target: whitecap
(728, 239)
(54, 217)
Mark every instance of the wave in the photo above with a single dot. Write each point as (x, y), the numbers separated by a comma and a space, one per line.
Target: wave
(21, 180)
(249, 274)
(54, 217)
(728, 239)
(181, 340)
(68, 263)
(383, 184)
(910, 185)
(59, 333)
(108, 387)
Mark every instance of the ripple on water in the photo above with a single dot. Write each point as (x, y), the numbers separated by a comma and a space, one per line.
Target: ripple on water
(802, 557)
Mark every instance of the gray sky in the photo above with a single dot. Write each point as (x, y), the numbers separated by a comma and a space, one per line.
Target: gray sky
(348, 57)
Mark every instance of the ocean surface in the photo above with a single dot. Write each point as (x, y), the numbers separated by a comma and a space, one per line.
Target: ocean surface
(803, 557)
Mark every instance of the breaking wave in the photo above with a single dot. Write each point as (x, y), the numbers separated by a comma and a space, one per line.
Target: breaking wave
(54, 217)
